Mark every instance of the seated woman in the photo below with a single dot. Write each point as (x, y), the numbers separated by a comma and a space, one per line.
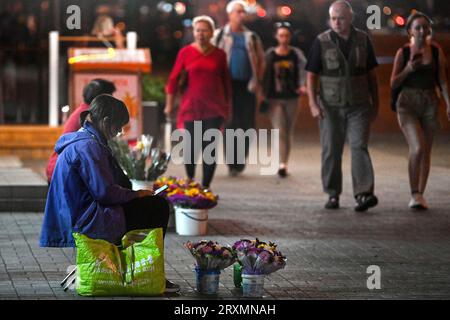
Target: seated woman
(89, 193)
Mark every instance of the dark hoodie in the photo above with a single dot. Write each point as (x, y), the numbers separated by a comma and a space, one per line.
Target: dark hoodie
(84, 195)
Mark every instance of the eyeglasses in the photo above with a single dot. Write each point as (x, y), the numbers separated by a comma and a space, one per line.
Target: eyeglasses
(283, 24)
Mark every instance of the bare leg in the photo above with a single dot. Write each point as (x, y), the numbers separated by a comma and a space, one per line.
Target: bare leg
(428, 134)
(416, 142)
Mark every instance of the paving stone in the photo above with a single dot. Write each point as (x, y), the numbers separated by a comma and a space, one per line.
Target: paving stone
(328, 252)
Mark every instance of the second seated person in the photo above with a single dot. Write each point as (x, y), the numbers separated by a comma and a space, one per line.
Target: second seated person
(201, 73)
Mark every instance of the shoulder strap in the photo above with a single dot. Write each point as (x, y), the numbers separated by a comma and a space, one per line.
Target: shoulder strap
(254, 39)
(406, 54)
(219, 37)
(435, 54)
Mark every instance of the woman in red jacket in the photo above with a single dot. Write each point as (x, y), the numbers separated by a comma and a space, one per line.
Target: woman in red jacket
(91, 90)
(207, 94)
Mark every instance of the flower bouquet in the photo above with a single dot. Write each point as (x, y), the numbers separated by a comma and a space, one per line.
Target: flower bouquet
(210, 258)
(186, 194)
(140, 162)
(256, 259)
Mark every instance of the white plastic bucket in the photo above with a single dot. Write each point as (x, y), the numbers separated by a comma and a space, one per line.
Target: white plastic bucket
(191, 222)
(141, 184)
(252, 285)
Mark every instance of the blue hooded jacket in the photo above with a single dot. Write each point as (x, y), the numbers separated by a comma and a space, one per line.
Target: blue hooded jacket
(84, 195)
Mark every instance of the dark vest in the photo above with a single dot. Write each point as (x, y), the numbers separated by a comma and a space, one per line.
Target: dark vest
(344, 82)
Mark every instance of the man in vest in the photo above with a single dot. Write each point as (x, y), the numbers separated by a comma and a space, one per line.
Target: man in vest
(246, 61)
(343, 95)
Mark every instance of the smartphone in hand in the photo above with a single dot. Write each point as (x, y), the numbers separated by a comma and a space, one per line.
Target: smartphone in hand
(418, 56)
(157, 191)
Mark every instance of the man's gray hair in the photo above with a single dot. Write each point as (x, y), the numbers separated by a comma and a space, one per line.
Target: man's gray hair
(206, 19)
(342, 2)
(232, 4)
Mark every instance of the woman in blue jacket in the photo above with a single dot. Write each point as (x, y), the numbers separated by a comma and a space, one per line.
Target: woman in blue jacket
(89, 193)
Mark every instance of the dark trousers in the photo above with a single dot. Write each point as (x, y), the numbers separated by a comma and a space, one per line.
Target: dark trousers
(244, 106)
(208, 169)
(147, 213)
(353, 124)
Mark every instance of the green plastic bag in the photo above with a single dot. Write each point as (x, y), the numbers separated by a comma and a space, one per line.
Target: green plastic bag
(135, 269)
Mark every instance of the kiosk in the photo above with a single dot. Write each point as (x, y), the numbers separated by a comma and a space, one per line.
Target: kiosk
(124, 67)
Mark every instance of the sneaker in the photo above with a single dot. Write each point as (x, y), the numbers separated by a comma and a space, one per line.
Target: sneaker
(171, 287)
(418, 202)
(365, 201)
(282, 172)
(333, 203)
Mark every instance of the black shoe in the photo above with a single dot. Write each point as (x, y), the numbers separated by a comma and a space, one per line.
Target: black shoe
(233, 172)
(282, 173)
(171, 287)
(333, 203)
(365, 201)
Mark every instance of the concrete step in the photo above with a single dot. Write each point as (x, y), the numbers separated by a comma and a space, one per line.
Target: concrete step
(21, 190)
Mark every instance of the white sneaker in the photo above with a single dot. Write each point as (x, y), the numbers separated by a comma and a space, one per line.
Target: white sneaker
(418, 202)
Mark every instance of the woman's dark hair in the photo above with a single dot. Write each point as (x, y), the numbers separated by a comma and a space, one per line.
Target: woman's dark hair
(282, 24)
(106, 105)
(414, 16)
(97, 87)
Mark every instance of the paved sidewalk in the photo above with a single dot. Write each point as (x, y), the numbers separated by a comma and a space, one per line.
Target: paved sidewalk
(328, 251)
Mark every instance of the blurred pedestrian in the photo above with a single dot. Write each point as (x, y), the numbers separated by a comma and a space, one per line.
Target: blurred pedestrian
(284, 82)
(245, 57)
(91, 90)
(201, 74)
(419, 69)
(344, 62)
(104, 28)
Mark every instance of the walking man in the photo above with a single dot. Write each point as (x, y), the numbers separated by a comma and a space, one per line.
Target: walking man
(343, 95)
(245, 57)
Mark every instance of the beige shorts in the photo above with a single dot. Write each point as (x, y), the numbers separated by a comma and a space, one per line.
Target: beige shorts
(418, 106)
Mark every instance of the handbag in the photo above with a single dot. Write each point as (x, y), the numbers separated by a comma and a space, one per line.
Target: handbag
(182, 81)
(395, 93)
(264, 106)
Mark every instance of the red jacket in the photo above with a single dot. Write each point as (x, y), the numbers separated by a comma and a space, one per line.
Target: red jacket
(208, 91)
(72, 124)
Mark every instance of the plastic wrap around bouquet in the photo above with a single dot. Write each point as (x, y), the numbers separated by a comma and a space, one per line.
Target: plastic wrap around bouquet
(210, 258)
(256, 260)
(191, 203)
(142, 164)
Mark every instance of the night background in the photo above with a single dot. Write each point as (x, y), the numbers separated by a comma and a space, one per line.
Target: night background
(162, 26)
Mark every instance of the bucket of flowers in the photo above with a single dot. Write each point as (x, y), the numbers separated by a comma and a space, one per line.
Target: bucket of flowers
(210, 258)
(191, 204)
(141, 163)
(256, 259)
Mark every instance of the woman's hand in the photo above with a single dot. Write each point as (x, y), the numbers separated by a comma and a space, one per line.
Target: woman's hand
(144, 193)
(413, 65)
(301, 91)
(168, 110)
